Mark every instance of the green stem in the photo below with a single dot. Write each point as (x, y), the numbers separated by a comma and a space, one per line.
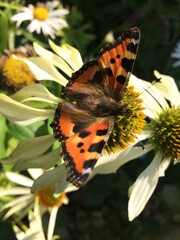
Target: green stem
(11, 42)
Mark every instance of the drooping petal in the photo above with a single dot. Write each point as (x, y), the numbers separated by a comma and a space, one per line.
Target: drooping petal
(69, 54)
(30, 148)
(54, 59)
(53, 176)
(43, 69)
(142, 189)
(20, 113)
(44, 161)
(19, 179)
(168, 88)
(35, 92)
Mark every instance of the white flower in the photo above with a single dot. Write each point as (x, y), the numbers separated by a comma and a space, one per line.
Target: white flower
(45, 18)
(163, 133)
(176, 54)
(25, 201)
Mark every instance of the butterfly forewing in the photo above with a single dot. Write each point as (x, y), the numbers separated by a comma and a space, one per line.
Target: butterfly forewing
(88, 73)
(116, 61)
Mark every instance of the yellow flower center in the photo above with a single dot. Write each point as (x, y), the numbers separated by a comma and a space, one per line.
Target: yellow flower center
(41, 13)
(127, 126)
(47, 199)
(16, 74)
(166, 133)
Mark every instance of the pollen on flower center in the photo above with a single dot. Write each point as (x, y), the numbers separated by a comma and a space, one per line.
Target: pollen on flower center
(166, 133)
(127, 126)
(41, 13)
(47, 199)
(15, 73)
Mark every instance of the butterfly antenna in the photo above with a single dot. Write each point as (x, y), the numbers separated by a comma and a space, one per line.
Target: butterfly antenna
(152, 84)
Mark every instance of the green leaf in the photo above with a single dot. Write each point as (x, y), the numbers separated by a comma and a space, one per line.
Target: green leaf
(3, 31)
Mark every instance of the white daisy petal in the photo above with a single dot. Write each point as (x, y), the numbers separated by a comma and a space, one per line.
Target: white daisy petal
(142, 189)
(49, 25)
(168, 88)
(22, 114)
(19, 179)
(54, 59)
(35, 92)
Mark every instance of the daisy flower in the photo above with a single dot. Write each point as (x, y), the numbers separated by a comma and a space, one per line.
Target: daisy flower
(163, 134)
(46, 18)
(25, 201)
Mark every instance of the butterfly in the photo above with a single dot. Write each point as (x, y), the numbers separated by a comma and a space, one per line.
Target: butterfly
(85, 121)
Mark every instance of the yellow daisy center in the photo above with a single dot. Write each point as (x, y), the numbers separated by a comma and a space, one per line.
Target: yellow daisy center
(126, 127)
(41, 13)
(15, 73)
(48, 199)
(166, 133)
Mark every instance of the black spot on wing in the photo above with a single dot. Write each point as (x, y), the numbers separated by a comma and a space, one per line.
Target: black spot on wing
(131, 47)
(90, 163)
(108, 72)
(121, 79)
(127, 64)
(84, 134)
(97, 147)
(101, 132)
(80, 144)
(112, 60)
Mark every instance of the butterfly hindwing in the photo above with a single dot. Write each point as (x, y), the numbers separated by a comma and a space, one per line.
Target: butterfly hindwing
(68, 120)
(116, 61)
(82, 150)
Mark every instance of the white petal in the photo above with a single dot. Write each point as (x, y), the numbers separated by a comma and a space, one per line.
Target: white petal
(28, 198)
(69, 54)
(176, 64)
(111, 163)
(19, 179)
(35, 173)
(43, 69)
(168, 88)
(35, 25)
(19, 207)
(54, 176)
(153, 101)
(35, 92)
(44, 161)
(144, 186)
(54, 59)
(52, 222)
(30, 148)
(58, 13)
(20, 113)
(15, 191)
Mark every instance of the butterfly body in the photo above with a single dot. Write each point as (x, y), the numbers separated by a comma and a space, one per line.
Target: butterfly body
(85, 122)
